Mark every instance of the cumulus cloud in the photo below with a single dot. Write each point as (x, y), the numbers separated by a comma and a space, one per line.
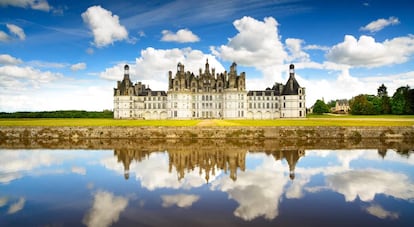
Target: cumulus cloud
(366, 52)
(15, 207)
(16, 30)
(182, 36)
(42, 5)
(379, 24)
(256, 44)
(365, 184)
(105, 27)
(78, 66)
(295, 49)
(13, 74)
(153, 65)
(105, 210)
(6, 59)
(379, 212)
(180, 200)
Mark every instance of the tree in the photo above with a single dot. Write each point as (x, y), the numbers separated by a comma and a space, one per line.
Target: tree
(385, 105)
(320, 107)
(361, 106)
(400, 103)
(382, 91)
(331, 103)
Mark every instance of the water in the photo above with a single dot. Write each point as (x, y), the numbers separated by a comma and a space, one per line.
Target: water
(206, 183)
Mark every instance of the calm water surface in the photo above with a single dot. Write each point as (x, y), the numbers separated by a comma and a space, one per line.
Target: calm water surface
(201, 187)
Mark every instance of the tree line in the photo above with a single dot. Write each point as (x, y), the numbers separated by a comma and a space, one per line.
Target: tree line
(400, 103)
(59, 114)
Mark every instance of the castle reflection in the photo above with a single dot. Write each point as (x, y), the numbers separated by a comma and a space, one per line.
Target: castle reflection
(208, 159)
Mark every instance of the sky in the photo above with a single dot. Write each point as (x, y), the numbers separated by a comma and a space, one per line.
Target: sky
(68, 55)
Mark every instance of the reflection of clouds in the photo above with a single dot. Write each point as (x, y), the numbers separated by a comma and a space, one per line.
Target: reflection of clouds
(295, 191)
(257, 191)
(79, 170)
(15, 207)
(379, 212)
(153, 173)
(180, 200)
(367, 183)
(3, 201)
(15, 164)
(105, 209)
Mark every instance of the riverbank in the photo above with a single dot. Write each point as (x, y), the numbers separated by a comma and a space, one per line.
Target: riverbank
(207, 132)
(314, 120)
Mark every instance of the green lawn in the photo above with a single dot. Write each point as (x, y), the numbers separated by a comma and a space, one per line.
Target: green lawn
(314, 120)
(94, 122)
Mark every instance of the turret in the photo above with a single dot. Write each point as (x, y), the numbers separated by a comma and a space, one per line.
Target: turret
(291, 70)
(126, 72)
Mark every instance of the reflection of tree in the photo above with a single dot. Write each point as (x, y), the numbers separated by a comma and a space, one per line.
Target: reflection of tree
(208, 159)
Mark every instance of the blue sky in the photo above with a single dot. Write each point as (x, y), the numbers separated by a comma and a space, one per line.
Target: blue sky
(57, 55)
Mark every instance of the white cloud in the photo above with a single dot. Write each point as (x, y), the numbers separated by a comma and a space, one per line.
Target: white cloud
(295, 48)
(42, 5)
(257, 191)
(153, 65)
(78, 66)
(15, 207)
(365, 184)
(6, 59)
(379, 212)
(105, 210)
(316, 47)
(180, 200)
(366, 52)
(182, 36)
(16, 30)
(257, 44)
(379, 24)
(105, 27)
(3, 36)
(26, 75)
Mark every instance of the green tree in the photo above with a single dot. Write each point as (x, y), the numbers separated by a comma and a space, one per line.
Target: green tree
(400, 103)
(385, 104)
(361, 106)
(320, 107)
(331, 103)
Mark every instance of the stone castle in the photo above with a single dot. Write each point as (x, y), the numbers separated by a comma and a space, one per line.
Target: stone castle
(208, 95)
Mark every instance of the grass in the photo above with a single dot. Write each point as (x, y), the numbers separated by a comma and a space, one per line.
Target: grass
(313, 120)
(73, 122)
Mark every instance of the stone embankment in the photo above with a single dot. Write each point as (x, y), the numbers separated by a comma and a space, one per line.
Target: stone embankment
(302, 132)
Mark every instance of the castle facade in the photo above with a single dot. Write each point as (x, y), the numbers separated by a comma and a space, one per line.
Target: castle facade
(208, 95)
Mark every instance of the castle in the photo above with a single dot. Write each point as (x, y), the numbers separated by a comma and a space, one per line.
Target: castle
(208, 96)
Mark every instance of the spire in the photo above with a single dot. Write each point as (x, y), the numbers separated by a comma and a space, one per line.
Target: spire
(207, 70)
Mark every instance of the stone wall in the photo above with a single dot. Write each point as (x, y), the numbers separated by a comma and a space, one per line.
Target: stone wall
(302, 132)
